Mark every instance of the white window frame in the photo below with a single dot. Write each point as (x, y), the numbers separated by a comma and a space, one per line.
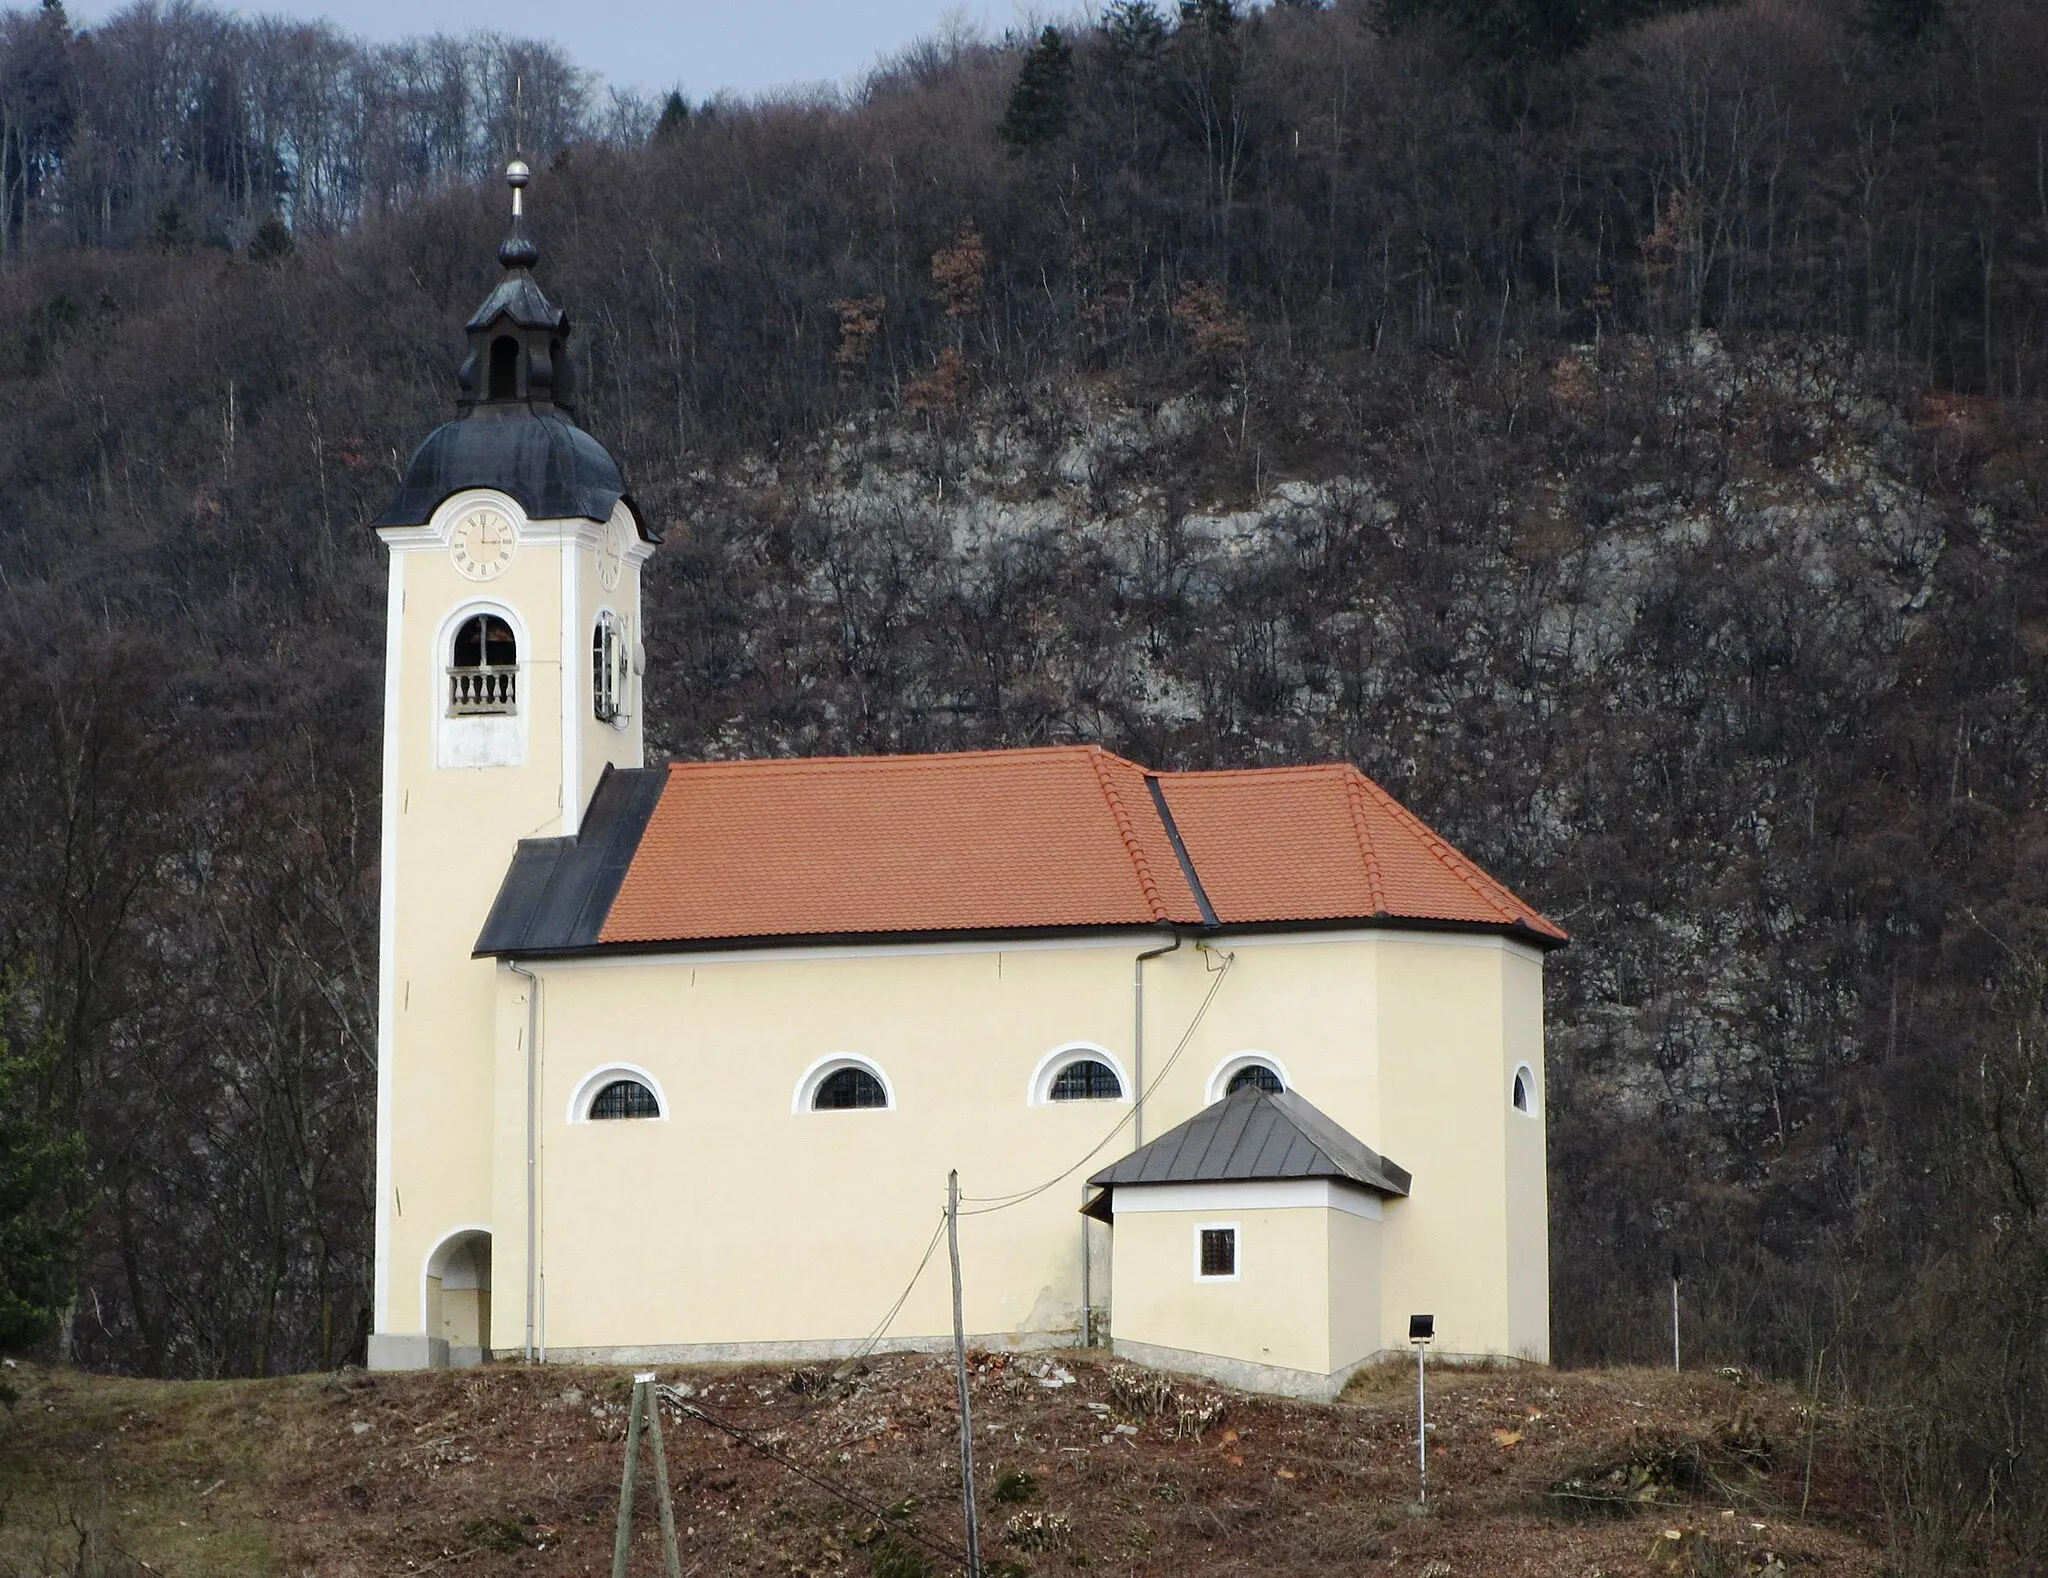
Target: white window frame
(1220, 1080)
(489, 739)
(1524, 1072)
(1236, 1232)
(1055, 1063)
(825, 1068)
(585, 1094)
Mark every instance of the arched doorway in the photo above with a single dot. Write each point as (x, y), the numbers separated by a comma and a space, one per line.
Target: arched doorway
(459, 1296)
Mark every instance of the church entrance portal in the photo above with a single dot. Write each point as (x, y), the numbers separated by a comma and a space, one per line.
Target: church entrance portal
(459, 1296)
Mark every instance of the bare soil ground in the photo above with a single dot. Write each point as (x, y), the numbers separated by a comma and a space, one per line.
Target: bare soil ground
(1083, 1465)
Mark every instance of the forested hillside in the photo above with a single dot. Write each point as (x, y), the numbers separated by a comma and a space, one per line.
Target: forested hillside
(1618, 428)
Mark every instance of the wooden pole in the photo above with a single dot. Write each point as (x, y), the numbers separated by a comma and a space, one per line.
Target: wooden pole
(622, 1542)
(960, 1374)
(671, 1557)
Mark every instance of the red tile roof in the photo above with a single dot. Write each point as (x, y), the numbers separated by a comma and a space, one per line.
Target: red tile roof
(1028, 840)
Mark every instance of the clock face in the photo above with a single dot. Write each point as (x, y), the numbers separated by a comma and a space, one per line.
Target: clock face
(611, 552)
(482, 544)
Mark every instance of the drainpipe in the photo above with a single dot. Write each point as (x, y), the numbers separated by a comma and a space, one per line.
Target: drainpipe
(532, 1145)
(1138, 984)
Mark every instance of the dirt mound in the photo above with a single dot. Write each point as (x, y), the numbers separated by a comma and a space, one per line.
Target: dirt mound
(1084, 1464)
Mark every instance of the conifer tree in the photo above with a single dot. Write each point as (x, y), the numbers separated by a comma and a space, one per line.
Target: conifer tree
(42, 1171)
(1039, 103)
(675, 118)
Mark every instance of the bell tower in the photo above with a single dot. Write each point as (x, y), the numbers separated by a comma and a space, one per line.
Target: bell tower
(512, 680)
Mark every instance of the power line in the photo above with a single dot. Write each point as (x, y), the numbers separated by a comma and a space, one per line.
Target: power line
(774, 1454)
(990, 1204)
(868, 1344)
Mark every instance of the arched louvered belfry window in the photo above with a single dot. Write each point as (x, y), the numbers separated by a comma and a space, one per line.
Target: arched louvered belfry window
(624, 1098)
(1087, 1079)
(1254, 1076)
(847, 1088)
(483, 667)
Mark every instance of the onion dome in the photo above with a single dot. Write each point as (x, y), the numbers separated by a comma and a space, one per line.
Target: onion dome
(516, 430)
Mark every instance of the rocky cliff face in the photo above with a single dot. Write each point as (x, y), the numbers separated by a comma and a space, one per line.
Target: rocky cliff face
(1720, 655)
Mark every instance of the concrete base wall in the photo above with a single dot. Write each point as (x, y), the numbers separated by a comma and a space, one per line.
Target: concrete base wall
(805, 1351)
(1243, 1374)
(407, 1351)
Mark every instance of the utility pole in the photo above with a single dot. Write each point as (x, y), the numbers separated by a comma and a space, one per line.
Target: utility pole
(960, 1374)
(646, 1411)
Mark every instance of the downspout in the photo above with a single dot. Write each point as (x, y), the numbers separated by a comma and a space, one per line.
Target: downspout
(532, 1142)
(1138, 992)
(1209, 923)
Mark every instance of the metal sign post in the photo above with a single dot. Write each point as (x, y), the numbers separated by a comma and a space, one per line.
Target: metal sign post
(1421, 1331)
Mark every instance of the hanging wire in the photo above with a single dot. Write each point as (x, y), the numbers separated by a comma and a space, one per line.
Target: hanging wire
(868, 1344)
(989, 1204)
(853, 1498)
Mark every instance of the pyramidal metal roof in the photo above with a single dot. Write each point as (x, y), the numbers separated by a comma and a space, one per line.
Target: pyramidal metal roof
(1253, 1136)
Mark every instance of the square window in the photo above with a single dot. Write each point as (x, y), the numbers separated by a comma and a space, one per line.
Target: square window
(1219, 1252)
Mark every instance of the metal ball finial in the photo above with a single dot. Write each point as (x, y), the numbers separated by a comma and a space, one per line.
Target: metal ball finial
(517, 174)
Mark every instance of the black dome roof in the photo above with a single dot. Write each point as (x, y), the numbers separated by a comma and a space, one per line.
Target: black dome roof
(552, 467)
(516, 432)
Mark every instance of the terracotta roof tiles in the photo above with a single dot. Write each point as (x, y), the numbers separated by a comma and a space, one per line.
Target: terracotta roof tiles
(1066, 837)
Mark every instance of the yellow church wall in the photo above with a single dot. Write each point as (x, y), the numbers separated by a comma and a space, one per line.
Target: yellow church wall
(1442, 1055)
(1356, 1318)
(1528, 1182)
(738, 1224)
(746, 1222)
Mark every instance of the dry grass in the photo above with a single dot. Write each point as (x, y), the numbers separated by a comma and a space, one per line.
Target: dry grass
(515, 1470)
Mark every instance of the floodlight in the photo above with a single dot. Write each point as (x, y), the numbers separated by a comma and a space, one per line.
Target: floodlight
(1421, 1328)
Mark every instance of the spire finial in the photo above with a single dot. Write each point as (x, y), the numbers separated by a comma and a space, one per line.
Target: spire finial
(516, 251)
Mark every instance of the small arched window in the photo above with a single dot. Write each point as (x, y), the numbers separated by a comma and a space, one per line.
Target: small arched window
(483, 674)
(1087, 1079)
(1255, 1076)
(847, 1088)
(504, 383)
(624, 1098)
(1524, 1096)
(609, 672)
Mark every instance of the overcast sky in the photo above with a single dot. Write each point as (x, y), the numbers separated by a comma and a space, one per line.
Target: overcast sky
(702, 46)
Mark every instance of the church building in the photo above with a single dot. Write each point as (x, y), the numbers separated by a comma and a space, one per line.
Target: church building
(1238, 1069)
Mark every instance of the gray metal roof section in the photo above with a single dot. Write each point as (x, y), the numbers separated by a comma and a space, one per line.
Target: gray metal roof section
(1253, 1136)
(550, 465)
(556, 895)
(520, 299)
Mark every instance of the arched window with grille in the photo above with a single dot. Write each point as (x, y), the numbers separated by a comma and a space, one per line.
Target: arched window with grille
(615, 1092)
(843, 1084)
(846, 1088)
(483, 668)
(1255, 1076)
(1086, 1079)
(624, 1098)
